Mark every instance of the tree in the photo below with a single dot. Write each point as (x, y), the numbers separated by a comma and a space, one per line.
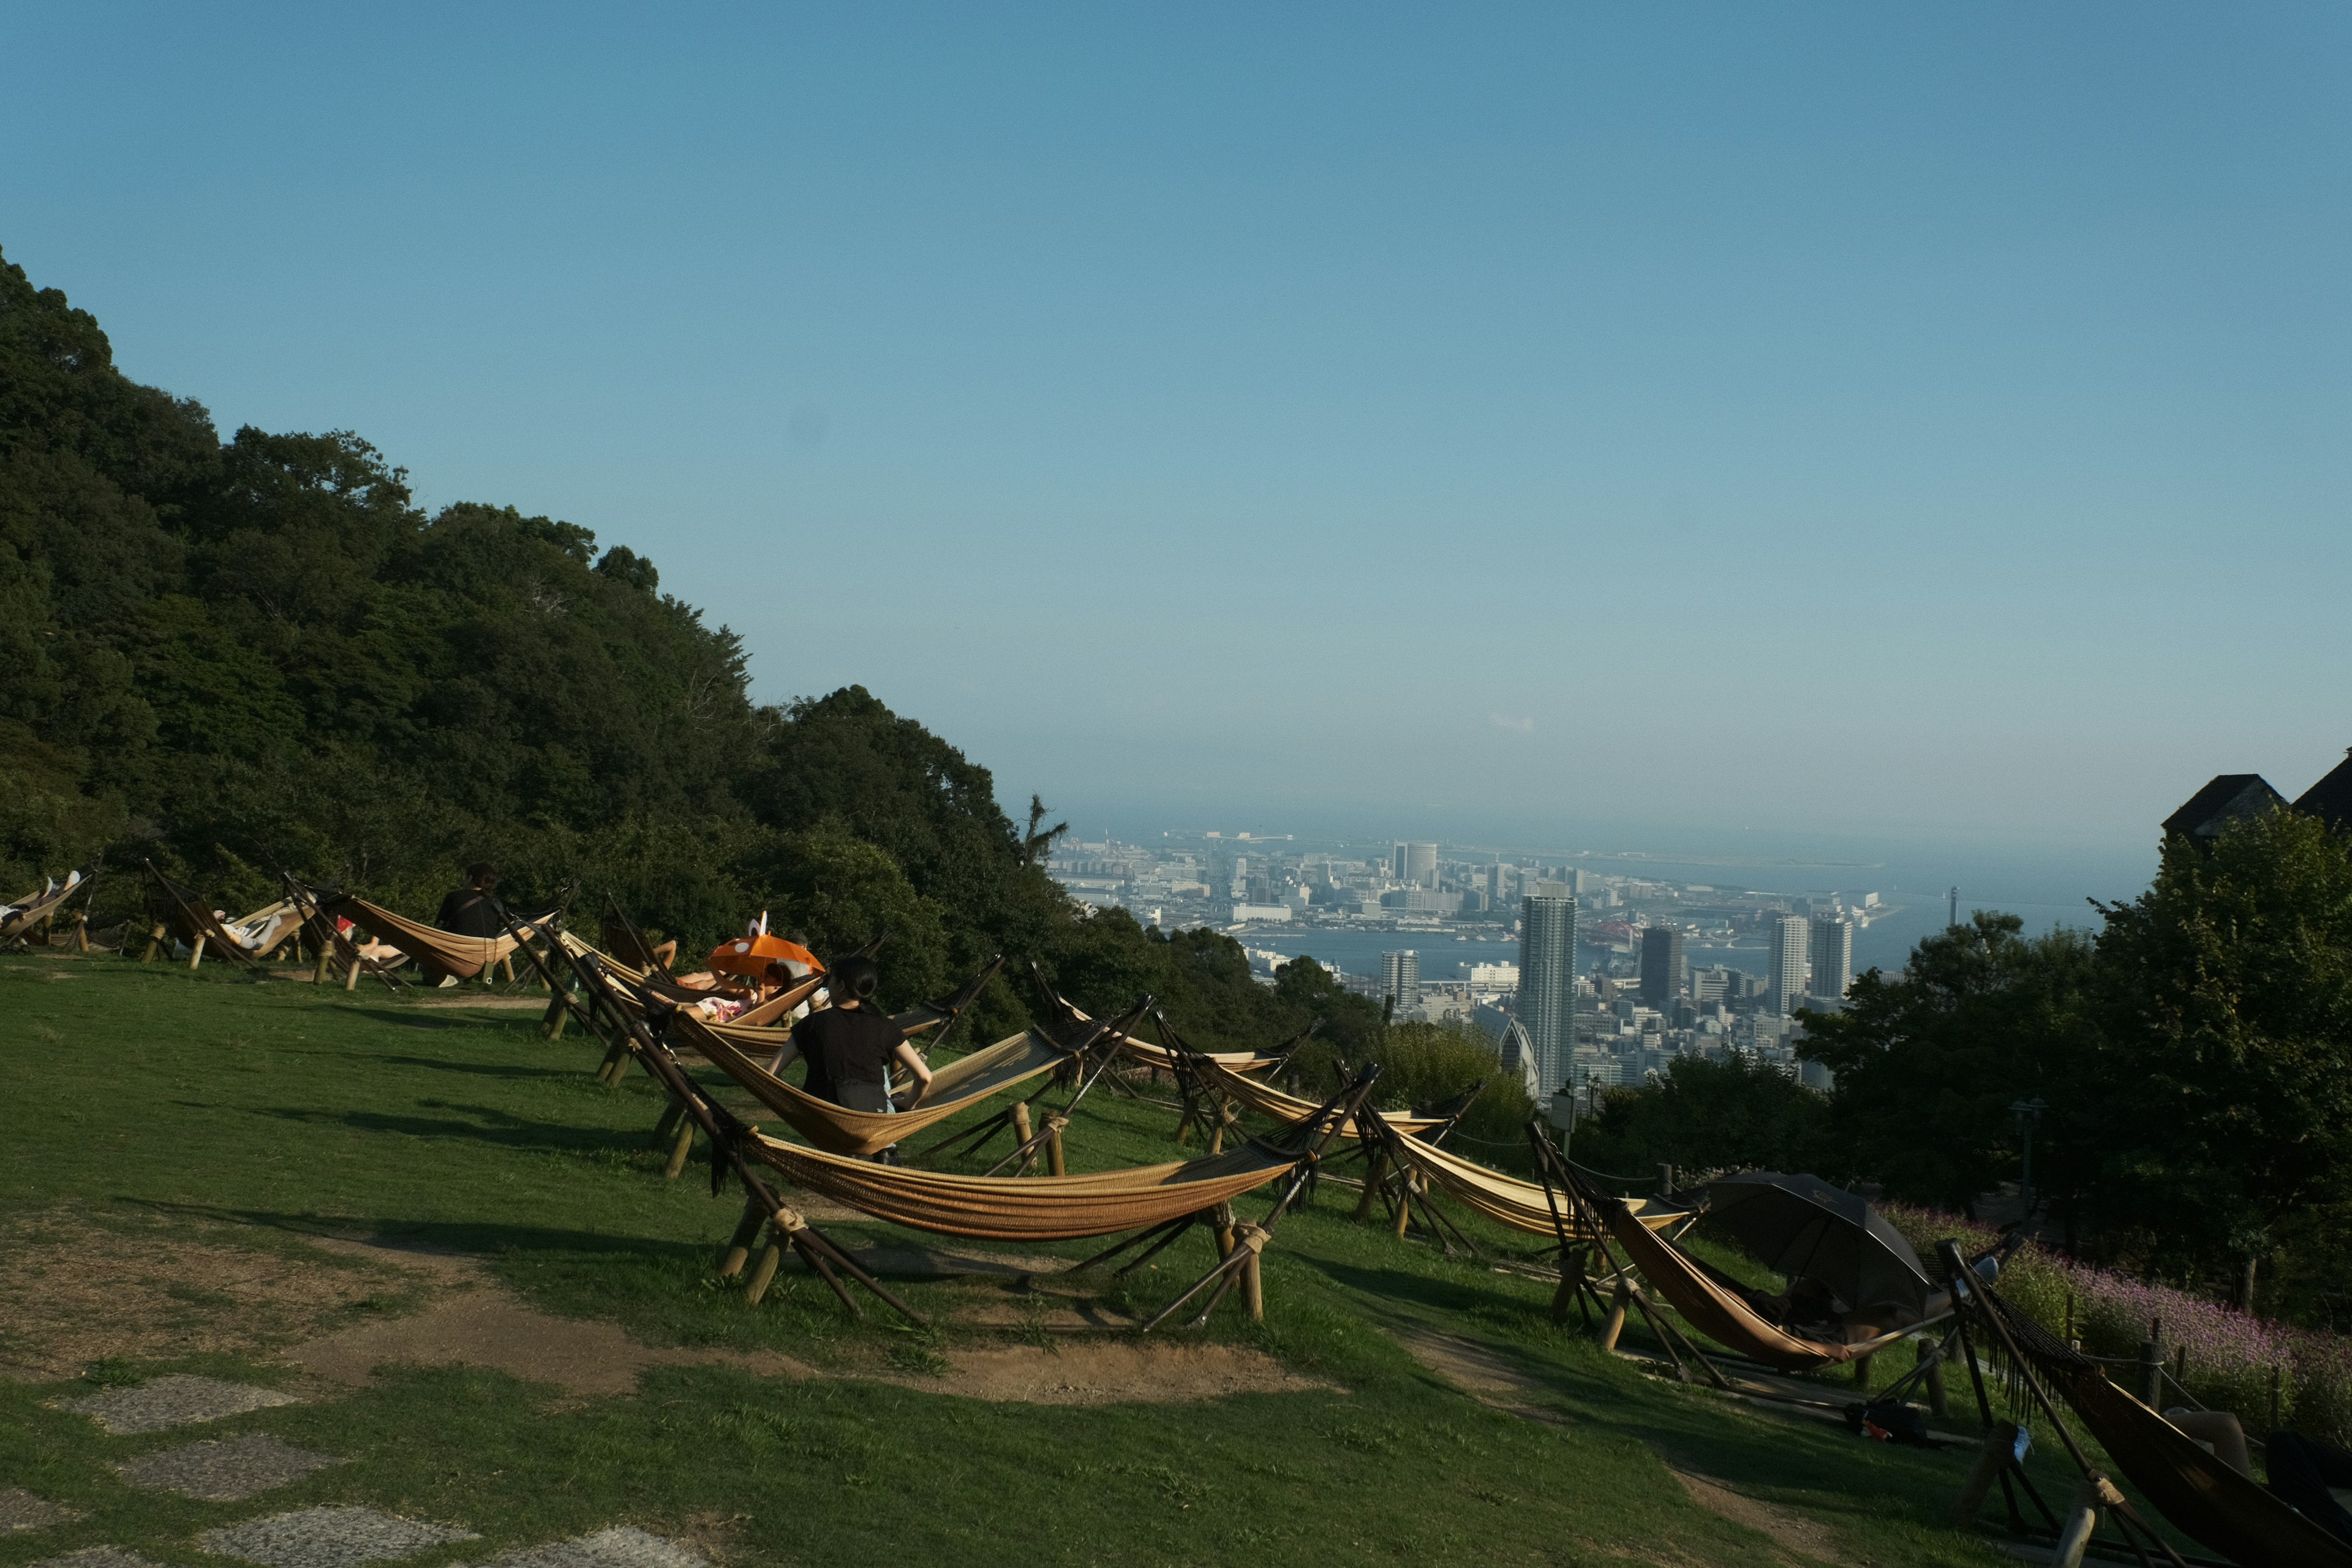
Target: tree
(1729, 1113)
(2226, 995)
(1929, 1061)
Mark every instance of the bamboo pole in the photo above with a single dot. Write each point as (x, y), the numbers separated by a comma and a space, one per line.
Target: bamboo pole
(351, 973)
(1614, 1323)
(154, 945)
(738, 1246)
(1023, 1135)
(1054, 1161)
(1374, 1173)
(763, 1273)
(679, 1151)
(196, 953)
(1994, 1455)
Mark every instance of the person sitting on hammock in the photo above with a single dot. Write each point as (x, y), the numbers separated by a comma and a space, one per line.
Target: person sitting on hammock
(852, 1046)
(469, 910)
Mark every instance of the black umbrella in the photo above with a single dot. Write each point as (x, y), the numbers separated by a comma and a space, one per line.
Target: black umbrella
(1807, 1229)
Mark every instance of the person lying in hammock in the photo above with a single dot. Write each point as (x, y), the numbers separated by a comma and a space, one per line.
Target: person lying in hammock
(852, 1047)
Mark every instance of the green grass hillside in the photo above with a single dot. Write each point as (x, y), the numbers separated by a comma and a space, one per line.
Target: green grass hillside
(184, 1142)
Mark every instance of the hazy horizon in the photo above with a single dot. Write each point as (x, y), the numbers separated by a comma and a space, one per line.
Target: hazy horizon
(1532, 424)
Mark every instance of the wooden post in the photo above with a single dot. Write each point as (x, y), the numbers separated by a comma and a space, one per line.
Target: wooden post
(1224, 1228)
(1375, 1170)
(351, 973)
(326, 960)
(1665, 1179)
(505, 967)
(679, 1150)
(763, 1273)
(1614, 1324)
(2097, 1492)
(155, 945)
(196, 953)
(1021, 1133)
(82, 931)
(1998, 1451)
(1861, 1373)
(2151, 1366)
(1053, 1164)
(739, 1246)
(669, 1122)
(1404, 1202)
(1940, 1401)
(1253, 1282)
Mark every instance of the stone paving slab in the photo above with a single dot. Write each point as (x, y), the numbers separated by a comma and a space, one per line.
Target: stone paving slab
(20, 1510)
(226, 1471)
(176, 1401)
(98, 1557)
(623, 1546)
(329, 1538)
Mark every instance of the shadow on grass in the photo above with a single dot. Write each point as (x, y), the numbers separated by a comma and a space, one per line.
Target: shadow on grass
(478, 1239)
(491, 1125)
(484, 1069)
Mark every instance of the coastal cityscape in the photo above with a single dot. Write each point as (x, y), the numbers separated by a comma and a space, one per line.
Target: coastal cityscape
(1580, 978)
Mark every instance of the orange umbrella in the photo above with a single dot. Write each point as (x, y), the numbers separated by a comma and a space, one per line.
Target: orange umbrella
(749, 956)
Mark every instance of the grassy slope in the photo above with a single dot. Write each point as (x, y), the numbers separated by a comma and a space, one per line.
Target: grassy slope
(140, 1095)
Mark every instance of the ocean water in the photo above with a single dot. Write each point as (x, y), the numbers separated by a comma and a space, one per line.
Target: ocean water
(2045, 886)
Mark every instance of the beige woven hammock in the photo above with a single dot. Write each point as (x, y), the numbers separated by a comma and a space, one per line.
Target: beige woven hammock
(440, 954)
(1720, 1312)
(1027, 1208)
(1269, 1100)
(1508, 1201)
(36, 906)
(837, 1129)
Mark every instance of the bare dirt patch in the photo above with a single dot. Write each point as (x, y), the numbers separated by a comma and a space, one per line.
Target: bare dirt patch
(105, 1295)
(72, 1294)
(1805, 1540)
(1112, 1372)
(487, 1327)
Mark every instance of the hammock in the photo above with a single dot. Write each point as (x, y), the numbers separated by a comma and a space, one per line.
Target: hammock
(1166, 1061)
(1720, 1307)
(36, 906)
(1271, 1101)
(841, 1130)
(1506, 1200)
(190, 918)
(2207, 1499)
(1027, 1208)
(440, 954)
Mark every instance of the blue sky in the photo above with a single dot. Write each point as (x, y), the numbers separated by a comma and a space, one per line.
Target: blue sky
(1531, 423)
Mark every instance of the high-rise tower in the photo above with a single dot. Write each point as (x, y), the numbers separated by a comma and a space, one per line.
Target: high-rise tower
(1414, 865)
(1663, 966)
(1791, 935)
(1400, 979)
(1832, 956)
(1547, 1006)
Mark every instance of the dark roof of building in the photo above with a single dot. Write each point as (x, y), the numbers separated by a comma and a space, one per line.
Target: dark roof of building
(2330, 799)
(2228, 797)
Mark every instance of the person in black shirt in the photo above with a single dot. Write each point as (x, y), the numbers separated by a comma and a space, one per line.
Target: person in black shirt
(468, 910)
(851, 1045)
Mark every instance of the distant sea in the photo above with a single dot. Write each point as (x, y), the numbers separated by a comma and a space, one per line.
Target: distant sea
(2045, 887)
